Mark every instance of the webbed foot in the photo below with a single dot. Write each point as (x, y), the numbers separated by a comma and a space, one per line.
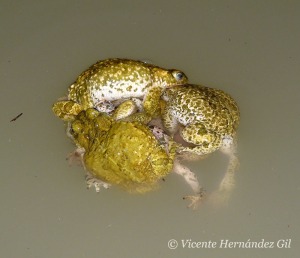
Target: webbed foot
(195, 200)
(97, 183)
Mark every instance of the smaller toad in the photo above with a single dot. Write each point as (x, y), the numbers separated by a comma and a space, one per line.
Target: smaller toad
(207, 120)
(120, 153)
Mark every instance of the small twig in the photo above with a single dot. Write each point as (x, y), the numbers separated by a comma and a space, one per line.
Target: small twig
(14, 119)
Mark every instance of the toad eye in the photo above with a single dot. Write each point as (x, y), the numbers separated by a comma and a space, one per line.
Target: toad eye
(178, 75)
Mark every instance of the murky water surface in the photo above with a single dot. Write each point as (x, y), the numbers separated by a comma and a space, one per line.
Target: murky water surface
(249, 49)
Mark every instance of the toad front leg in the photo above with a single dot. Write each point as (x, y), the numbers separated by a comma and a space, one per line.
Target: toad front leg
(149, 108)
(127, 111)
(151, 102)
(206, 141)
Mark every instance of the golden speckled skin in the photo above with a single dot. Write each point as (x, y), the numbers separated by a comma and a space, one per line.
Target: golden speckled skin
(66, 110)
(113, 79)
(210, 117)
(121, 153)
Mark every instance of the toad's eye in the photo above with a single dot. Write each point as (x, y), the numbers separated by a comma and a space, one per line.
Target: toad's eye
(178, 75)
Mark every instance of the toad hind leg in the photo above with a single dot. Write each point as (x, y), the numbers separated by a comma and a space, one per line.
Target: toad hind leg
(228, 181)
(222, 195)
(229, 149)
(193, 182)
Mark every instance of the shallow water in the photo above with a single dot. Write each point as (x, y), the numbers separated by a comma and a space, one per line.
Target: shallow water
(248, 49)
